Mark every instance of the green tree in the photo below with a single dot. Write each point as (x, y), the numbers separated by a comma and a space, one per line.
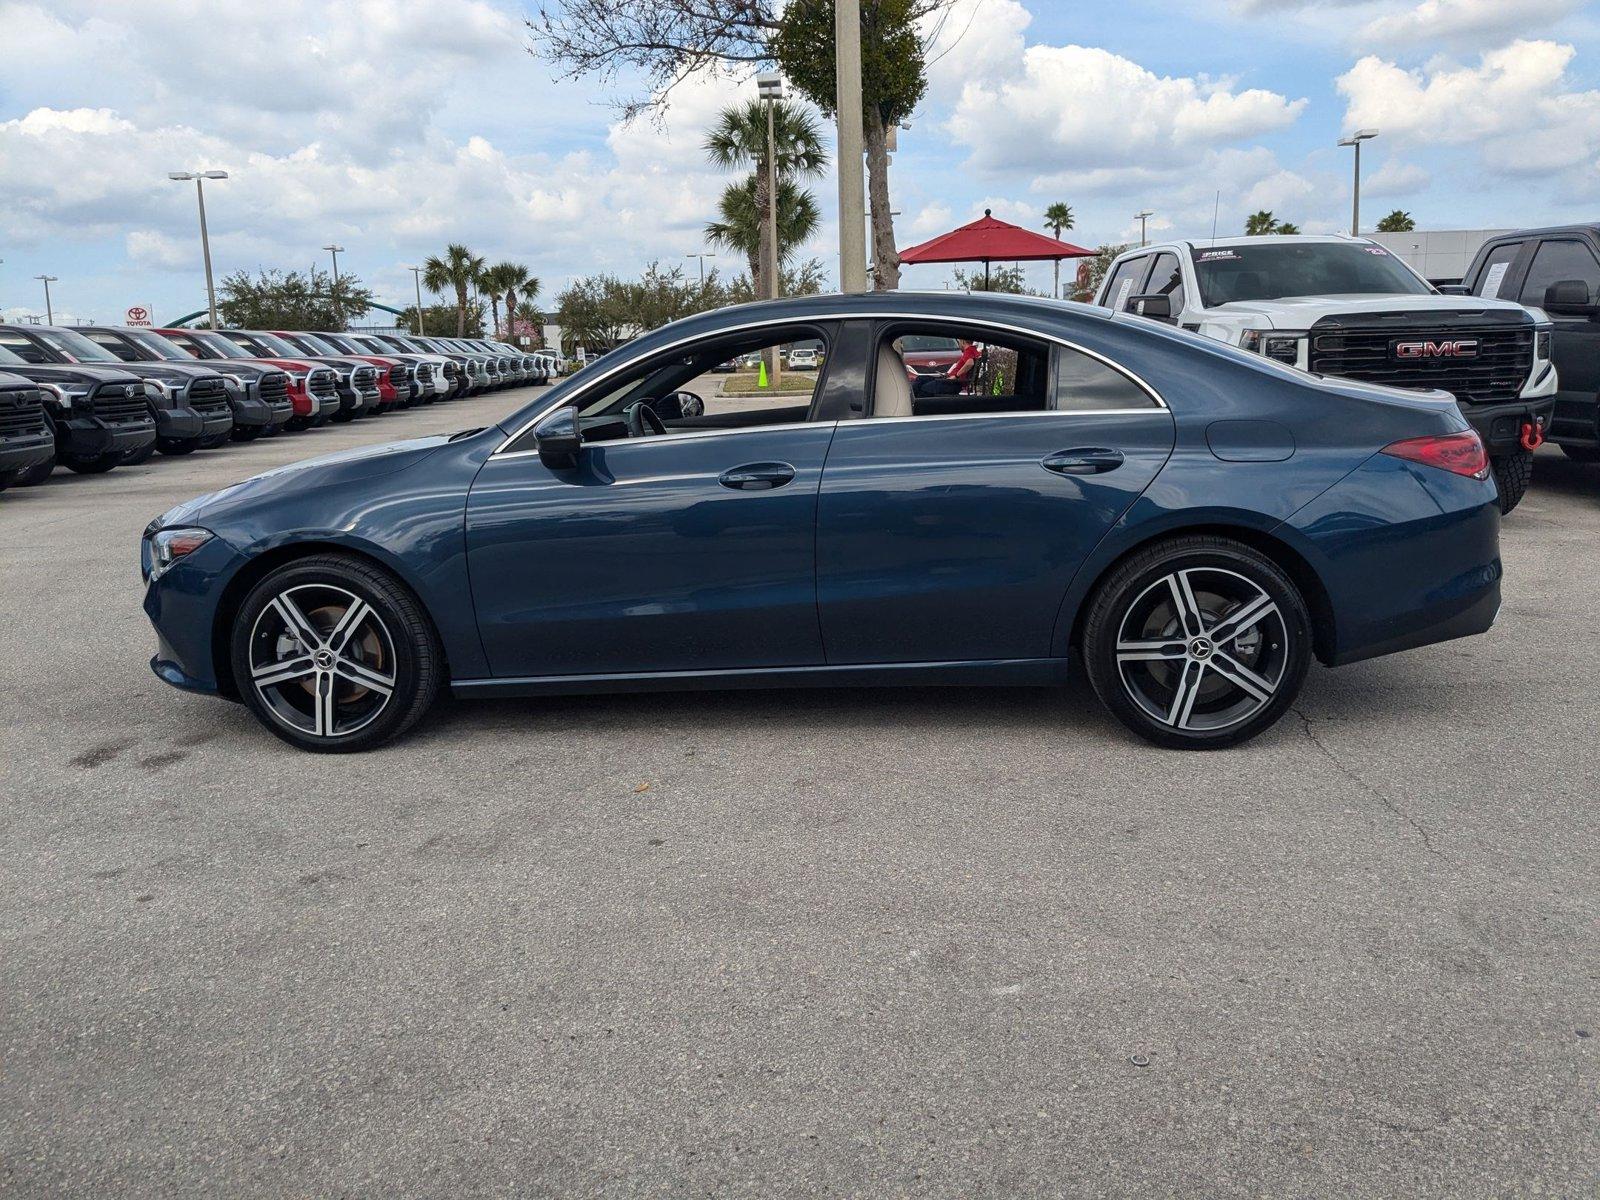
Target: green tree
(443, 320)
(457, 270)
(741, 227)
(802, 279)
(893, 80)
(1398, 221)
(504, 281)
(1058, 219)
(999, 278)
(1287, 229)
(1259, 223)
(1092, 271)
(291, 300)
(739, 141)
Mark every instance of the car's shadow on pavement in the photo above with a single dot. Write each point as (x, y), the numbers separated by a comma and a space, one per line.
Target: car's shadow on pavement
(1554, 472)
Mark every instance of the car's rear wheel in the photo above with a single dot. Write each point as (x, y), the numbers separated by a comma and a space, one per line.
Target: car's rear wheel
(1512, 474)
(1197, 643)
(1583, 454)
(332, 654)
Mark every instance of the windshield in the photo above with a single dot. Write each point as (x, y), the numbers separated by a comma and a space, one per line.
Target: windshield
(314, 344)
(155, 344)
(373, 342)
(75, 346)
(222, 347)
(1266, 272)
(276, 345)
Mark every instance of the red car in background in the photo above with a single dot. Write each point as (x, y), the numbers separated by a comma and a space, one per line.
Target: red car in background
(313, 387)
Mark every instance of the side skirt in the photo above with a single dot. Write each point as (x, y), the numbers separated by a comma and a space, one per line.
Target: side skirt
(1008, 672)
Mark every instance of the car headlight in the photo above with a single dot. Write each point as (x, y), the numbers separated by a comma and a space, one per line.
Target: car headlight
(1280, 346)
(1541, 343)
(167, 546)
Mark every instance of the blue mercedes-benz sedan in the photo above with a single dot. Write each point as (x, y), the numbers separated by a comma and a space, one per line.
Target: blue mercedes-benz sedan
(1048, 483)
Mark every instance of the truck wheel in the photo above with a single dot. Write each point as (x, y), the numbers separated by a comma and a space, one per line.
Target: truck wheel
(1512, 474)
(332, 654)
(34, 476)
(176, 449)
(247, 433)
(98, 465)
(1583, 454)
(1197, 643)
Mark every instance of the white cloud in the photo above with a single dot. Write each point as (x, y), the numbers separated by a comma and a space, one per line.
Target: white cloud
(1395, 178)
(1472, 22)
(1513, 105)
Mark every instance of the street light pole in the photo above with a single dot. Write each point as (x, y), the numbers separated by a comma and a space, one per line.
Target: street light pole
(770, 87)
(847, 96)
(199, 178)
(49, 313)
(702, 255)
(336, 251)
(1355, 139)
(416, 275)
(1143, 217)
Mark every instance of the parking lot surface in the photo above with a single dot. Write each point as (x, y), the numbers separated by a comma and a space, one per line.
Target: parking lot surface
(849, 942)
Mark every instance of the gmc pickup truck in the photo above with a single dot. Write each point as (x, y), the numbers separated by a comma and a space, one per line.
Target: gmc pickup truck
(1348, 307)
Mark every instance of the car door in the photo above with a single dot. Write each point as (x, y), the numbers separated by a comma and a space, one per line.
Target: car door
(954, 538)
(1575, 345)
(692, 551)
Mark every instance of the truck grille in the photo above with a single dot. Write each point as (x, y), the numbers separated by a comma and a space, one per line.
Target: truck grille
(1496, 372)
(400, 375)
(323, 384)
(274, 389)
(21, 412)
(364, 379)
(120, 404)
(424, 374)
(209, 396)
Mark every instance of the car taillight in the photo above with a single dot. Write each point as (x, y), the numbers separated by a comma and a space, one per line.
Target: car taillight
(1459, 453)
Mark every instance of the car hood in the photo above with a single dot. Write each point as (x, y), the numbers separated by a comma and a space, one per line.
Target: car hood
(167, 372)
(1301, 312)
(367, 462)
(74, 373)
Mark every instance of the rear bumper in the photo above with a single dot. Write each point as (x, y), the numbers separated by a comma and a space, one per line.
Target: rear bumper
(1409, 555)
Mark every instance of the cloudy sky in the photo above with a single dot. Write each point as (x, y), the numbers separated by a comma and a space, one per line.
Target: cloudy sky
(394, 126)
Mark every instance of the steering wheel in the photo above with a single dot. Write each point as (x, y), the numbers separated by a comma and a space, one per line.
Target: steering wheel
(638, 416)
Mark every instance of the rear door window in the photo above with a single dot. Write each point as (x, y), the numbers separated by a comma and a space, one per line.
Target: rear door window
(1492, 279)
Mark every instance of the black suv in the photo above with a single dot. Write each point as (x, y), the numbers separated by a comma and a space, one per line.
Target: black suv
(1558, 270)
(27, 447)
(257, 394)
(190, 401)
(98, 415)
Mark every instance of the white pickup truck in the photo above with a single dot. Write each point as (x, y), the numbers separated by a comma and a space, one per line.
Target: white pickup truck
(1348, 307)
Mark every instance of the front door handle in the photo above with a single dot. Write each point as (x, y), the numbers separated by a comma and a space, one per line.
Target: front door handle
(757, 477)
(1093, 460)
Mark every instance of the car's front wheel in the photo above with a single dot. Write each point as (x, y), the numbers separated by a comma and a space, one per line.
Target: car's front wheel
(1512, 474)
(332, 654)
(1197, 643)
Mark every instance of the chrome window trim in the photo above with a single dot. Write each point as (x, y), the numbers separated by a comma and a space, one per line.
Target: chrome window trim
(588, 386)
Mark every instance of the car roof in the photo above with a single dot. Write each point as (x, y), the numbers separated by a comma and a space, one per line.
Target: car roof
(1269, 239)
(1518, 234)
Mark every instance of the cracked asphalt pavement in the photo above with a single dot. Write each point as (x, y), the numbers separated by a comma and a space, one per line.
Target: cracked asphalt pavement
(914, 942)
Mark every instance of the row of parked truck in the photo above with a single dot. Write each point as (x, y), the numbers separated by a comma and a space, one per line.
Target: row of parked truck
(91, 398)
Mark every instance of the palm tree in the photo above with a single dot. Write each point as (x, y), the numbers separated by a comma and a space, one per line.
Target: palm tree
(741, 227)
(457, 271)
(1259, 223)
(1399, 221)
(503, 280)
(1287, 228)
(519, 286)
(738, 141)
(1058, 217)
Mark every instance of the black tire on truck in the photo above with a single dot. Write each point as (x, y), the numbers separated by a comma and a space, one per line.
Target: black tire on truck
(1512, 474)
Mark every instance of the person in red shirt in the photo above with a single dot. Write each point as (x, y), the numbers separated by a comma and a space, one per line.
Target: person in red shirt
(956, 377)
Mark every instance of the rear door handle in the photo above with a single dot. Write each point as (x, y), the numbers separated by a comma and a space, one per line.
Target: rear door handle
(757, 477)
(1093, 460)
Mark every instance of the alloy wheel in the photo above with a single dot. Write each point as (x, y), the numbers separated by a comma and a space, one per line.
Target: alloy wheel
(1202, 649)
(322, 661)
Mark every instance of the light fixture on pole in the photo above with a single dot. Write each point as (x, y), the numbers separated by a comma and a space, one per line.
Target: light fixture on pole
(49, 313)
(847, 104)
(1142, 217)
(200, 178)
(702, 255)
(416, 274)
(336, 251)
(1355, 139)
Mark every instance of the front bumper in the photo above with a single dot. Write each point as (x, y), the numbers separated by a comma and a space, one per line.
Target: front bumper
(182, 606)
(90, 437)
(1500, 425)
(26, 450)
(181, 424)
(253, 413)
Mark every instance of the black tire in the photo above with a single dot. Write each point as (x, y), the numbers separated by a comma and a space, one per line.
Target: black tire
(36, 475)
(397, 644)
(7, 478)
(1160, 666)
(142, 455)
(177, 449)
(1583, 454)
(1512, 474)
(249, 433)
(98, 465)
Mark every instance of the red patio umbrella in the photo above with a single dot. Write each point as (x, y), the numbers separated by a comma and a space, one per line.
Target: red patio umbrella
(988, 240)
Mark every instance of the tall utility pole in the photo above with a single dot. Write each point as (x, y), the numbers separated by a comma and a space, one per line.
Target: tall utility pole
(416, 275)
(49, 313)
(1355, 139)
(770, 88)
(847, 97)
(702, 255)
(336, 251)
(1143, 217)
(200, 178)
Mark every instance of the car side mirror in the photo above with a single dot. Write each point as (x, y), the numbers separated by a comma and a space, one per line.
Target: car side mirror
(1155, 305)
(1454, 289)
(1569, 296)
(559, 439)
